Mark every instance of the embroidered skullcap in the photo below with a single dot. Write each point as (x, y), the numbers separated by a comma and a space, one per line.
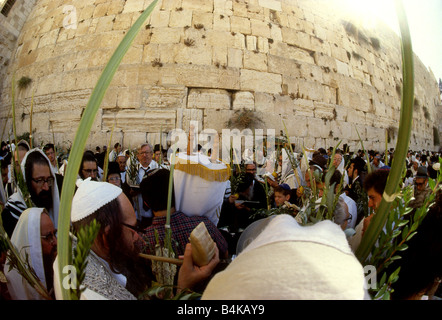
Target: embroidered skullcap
(91, 196)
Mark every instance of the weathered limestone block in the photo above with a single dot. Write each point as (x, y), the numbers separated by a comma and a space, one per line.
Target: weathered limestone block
(189, 115)
(297, 126)
(319, 128)
(101, 10)
(355, 116)
(220, 56)
(167, 5)
(217, 119)
(260, 81)
(303, 107)
(194, 55)
(132, 139)
(200, 5)
(255, 61)
(283, 104)
(180, 19)
(134, 55)
(291, 52)
(166, 35)
(208, 98)
(223, 7)
(115, 7)
(201, 76)
(262, 45)
(48, 38)
(329, 94)
(290, 86)
(234, 58)
(160, 18)
(240, 25)
(170, 97)
(240, 8)
(251, 43)
(128, 97)
(324, 111)
(341, 129)
(288, 67)
(260, 28)
(243, 100)
(133, 6)
(264, 102)
(311, 90)
(271, 4)
(221, 22)
(65, 119)
(216, 38)
(139, 120)
(63, 101)
(202, 19)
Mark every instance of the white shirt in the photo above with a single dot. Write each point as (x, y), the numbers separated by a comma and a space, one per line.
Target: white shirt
(139, 210)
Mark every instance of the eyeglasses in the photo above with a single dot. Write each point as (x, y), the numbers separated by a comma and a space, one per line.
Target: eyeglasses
(41, 181)
(349, 217)
(145, 153)
(90, 171)
(114, 179)
(135, 228)
(51, 237)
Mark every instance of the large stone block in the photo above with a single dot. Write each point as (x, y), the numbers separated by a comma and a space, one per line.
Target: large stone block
(319, 128)
(139, 120)
(255, 61)
(260, 81)
(243, 100)
(304, 107)
(264, 103)
(170, 97)
(201, 76)
(208, 99)
(240, 24)
(180, 19)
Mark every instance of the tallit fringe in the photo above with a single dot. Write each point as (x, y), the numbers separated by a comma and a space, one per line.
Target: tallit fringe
(197, 169)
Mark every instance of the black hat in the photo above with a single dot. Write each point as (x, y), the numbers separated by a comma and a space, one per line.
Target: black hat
(319, 160)
(113, 167)
(158, 147)
(422, 172)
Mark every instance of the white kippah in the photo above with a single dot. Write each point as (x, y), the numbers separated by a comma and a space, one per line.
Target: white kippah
(91, 196)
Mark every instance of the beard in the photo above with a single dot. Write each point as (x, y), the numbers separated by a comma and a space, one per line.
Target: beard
(43, 199)
(48, 261)
(125, 259)
(249, 195)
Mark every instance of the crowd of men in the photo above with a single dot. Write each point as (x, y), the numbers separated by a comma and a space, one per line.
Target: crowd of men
(131, 209)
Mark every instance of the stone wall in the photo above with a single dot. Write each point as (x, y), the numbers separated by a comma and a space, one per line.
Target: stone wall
(207, 61)
(10, 27)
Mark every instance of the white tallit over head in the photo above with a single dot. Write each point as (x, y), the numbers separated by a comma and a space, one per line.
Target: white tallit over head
(26, 239)
(199, 185)
(289, 261)
(53, 213)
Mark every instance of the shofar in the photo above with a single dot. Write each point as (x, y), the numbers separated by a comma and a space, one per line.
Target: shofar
(203, 247)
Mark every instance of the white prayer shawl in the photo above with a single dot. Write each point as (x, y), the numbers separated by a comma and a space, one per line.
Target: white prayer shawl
(352, 209)
(200, 185)
(53, 213)
(341, 169)
(290, 261)
(26, 239)
(288, 175)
